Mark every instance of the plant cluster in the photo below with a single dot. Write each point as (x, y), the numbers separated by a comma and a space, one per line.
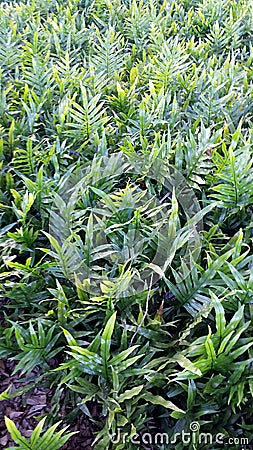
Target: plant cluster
(83, 82)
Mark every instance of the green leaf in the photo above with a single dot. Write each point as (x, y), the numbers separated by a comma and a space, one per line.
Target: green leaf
(15, 434)
(187, 364)
(122, 356)
(210, 350)
(219, 315)
(158, 400)
(130, 393)
(5, 395)
(37, 432)
(106, 338)
(71, 341)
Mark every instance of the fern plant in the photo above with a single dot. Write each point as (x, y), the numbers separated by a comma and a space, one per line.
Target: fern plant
(107, 59)
(235, 189)
(49, 440)
(93, 94)
(87, 118)
(36, 348)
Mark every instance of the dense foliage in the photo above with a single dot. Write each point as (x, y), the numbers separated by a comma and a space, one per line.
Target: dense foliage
(82, 80)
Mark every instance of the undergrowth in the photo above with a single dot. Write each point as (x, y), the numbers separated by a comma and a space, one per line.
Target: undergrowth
(83, 82)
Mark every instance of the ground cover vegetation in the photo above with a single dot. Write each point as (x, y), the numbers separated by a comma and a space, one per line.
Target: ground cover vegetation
(86, 84)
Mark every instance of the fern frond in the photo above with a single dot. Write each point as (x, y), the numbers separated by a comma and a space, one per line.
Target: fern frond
(198, 155)
(9, 53)
(235, 186)
(87, 118)
(193, 290)
(169, 61)
(23, 159)
(38, 76)
(109, 55)
(50, 439)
